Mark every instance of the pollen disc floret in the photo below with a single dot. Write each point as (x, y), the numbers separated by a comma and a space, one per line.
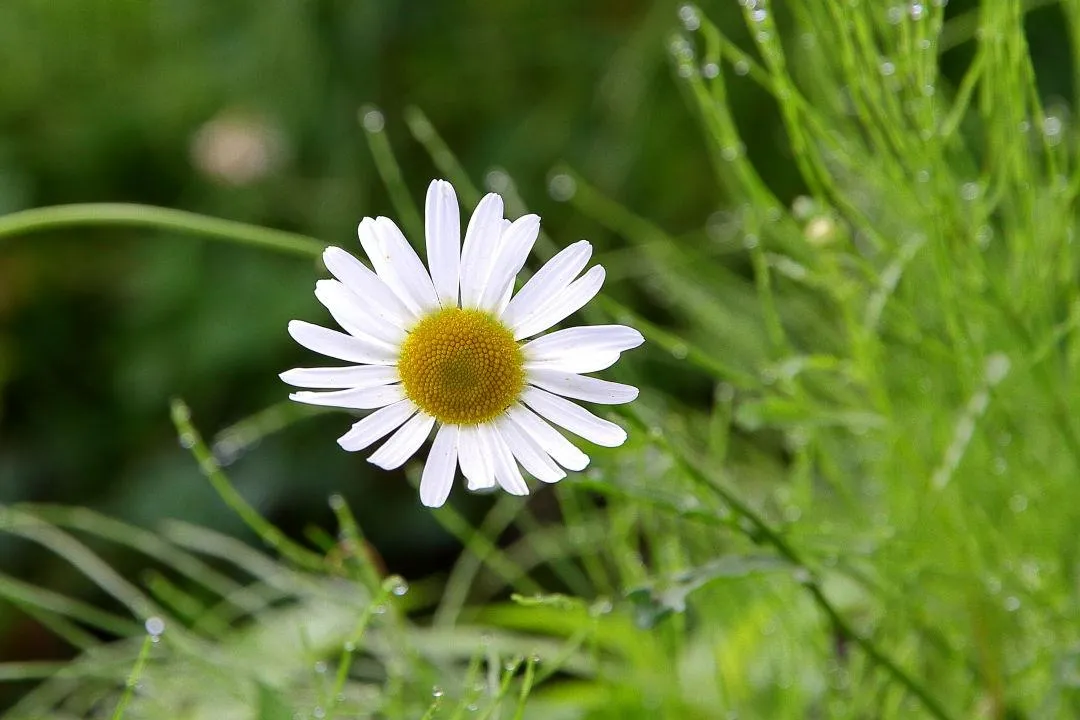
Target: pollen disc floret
(461, 366)
(453, 348)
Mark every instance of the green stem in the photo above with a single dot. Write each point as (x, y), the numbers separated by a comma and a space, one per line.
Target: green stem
(193, 441)
(56, 217)
(133, 679)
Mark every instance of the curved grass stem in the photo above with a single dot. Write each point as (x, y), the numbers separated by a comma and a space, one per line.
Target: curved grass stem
(58, 217)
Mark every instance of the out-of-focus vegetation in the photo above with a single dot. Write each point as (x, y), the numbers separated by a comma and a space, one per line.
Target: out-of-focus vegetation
(846, 230)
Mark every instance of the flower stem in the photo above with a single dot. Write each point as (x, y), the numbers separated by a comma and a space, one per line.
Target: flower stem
(55, 217)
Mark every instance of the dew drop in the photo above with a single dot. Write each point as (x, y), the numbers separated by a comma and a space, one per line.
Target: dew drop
(917, 11)
(349, 646)
(710, 70)
(498, 181)
(888, 69)
(679, 351)
(732, 152)
(318, 713)
(741, 67)
(758, 15)
(373, 121)
(400, 588)
(1018, 503)
(187, 440)
(437, 692)
(970, 191)
(1052, 127)
(688, 16)
(336, 501)
(320, 667)
(562, 187)
(1012, 603)
(895, 14)
(155, 626)
(750, 242)
(601, 607)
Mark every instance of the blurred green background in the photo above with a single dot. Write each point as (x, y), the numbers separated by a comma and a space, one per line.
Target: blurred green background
(251, 110)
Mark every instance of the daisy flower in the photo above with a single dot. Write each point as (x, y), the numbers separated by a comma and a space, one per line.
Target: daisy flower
(451, 349)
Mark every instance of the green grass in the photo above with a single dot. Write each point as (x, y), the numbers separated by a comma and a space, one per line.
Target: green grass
(859, 500)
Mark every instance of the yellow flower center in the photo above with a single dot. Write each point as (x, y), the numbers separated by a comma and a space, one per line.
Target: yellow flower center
(461, 366)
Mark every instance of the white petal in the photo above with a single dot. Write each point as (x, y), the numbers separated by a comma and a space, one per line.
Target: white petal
(576, 362)
(574, 418)
(404, 443)
(506, 469)
(367, 286)
(481, 240)
(582, 387)
(561, 305)
(505, 300)
(590, 338)
(355, 315)
(341, 346)
(377, 425)
(442, 227)
(548, 438)
(398, 264)
(475, 459)
(514, 247)
(440, 467)
(353, 398)
(353, 376)
(527, 452)
(549, 280)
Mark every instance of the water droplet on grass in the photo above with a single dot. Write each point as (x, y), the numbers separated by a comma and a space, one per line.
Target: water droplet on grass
(688, 16)
(155, 626)
(710, 70)
(1018, 503)
(373, 121)
(970, 191)
(562, 187)
(741, 67)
